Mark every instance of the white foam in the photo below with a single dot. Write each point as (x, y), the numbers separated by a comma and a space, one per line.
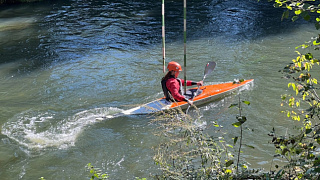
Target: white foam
(36, 130)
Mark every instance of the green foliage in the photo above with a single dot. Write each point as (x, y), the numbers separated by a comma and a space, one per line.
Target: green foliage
(302, 8)
(301, 150)
(96, 173)
(241, 120)
(188, 152)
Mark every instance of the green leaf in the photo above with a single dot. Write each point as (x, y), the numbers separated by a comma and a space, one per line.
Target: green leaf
(237, 124)
(228, 171)
(246, 102)
(249, 146)
(285, 15)
(229, 163)
(294, 18)
(308, 56)
(284, 151)
(306, 5)
(242, 119)
(308, 131)
(233, 105)
(278, 175)
(316, 43)
(278, 4)
(235, 140)
(307, 17)
(289, 7)
(297, 12)
(315, 81)
(317, 25)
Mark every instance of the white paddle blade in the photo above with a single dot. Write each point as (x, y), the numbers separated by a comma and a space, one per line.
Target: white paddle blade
(209, 67)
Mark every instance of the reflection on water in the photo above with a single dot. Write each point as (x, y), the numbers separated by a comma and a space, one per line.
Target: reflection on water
(65, 62)
(11, 24)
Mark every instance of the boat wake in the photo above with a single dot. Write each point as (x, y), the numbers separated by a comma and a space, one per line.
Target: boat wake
(40, 130)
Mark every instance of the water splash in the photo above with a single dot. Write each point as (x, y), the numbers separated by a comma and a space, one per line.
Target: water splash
(248, 86)
(39, 130)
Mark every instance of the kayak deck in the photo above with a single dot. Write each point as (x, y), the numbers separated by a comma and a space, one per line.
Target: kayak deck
(209, 93)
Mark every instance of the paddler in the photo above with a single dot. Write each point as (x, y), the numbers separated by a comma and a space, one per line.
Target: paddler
(172, 86)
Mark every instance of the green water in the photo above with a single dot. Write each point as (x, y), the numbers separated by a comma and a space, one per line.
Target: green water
(63, 63)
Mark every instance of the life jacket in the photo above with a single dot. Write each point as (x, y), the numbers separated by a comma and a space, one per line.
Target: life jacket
(167, 93)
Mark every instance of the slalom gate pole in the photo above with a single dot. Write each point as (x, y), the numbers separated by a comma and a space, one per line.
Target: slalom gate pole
(163, 40)
(185, 42)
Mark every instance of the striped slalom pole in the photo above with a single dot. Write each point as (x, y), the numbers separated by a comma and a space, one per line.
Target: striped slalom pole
(163, 40)
(185, 42)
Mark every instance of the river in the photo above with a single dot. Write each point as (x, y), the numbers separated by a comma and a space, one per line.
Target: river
(65, 62)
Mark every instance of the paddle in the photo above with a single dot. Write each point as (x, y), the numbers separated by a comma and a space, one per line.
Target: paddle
(209, 68)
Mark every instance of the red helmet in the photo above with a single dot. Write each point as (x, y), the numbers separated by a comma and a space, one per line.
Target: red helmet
(174, 66)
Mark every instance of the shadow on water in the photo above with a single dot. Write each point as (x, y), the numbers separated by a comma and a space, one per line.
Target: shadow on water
(35, 35)
(21, 37)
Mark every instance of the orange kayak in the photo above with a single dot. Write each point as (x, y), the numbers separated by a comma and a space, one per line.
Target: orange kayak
(209, 93)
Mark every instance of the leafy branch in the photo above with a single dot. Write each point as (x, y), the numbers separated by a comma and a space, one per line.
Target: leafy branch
(96, 173)
(241, 120)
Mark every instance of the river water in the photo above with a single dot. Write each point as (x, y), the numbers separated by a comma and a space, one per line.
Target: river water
(63, 63)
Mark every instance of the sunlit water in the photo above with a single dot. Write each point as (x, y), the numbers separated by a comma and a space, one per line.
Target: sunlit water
(65, 63)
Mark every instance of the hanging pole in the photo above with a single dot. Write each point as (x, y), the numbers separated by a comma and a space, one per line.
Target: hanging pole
(185, 42)
(163, 40)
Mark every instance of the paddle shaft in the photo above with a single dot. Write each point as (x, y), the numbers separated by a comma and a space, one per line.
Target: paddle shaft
(209, 68)
(195, 94)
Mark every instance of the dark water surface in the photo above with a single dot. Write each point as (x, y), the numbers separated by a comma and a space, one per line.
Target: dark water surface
(63, 63)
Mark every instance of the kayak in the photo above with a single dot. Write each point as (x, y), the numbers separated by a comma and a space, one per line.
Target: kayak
(208, 94)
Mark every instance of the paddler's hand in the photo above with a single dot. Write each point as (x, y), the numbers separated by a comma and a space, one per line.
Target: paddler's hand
(200, 83)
